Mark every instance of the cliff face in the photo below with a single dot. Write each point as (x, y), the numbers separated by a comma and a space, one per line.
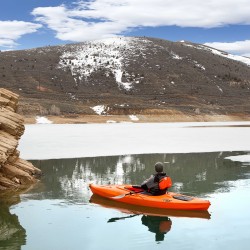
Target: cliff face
(14, 172)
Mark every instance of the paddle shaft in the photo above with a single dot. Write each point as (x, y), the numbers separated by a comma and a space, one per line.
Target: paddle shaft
(123, 195)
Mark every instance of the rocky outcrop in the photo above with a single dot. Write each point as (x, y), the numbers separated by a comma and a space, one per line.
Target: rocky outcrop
(14, 172)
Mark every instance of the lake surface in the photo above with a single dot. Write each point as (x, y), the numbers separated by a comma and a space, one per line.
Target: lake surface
(61, 213)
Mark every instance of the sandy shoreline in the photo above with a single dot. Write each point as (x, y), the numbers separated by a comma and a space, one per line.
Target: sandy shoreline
(82, 119)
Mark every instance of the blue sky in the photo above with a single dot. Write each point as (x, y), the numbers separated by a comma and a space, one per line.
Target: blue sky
(223, 24)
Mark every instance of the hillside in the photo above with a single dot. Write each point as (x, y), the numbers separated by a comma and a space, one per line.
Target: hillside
(122, 76)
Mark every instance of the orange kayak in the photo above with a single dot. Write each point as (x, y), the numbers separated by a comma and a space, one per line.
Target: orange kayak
(136, 196)
(151, 211)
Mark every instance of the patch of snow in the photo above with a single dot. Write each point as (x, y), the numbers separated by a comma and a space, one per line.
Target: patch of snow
(175, 56)
(242, 59)
(220, 89)
(43, 120)
(72, 96)
(109, 54)
(99, 109)
(190, 45)
(118, 77)
(199, 65)
(134, 118)
(233, 57)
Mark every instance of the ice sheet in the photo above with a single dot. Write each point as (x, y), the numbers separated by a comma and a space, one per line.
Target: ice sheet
(54, 141)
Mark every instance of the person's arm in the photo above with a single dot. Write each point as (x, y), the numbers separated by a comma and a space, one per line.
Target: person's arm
(149, 183)
(144, 187)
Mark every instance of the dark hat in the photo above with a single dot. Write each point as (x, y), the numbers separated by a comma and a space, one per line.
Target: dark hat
(159, 167)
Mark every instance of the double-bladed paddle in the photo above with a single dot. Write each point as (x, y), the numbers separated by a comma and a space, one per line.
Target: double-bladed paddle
(123, 195)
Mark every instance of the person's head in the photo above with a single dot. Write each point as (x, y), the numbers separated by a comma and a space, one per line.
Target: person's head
(159, 167)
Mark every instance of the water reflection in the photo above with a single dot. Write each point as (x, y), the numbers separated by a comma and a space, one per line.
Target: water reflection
(193, 174)
(151, 211)
(158, 225)
(156, 220)
(66, 181)
(114, 219)
(12, 234)
(155, 224)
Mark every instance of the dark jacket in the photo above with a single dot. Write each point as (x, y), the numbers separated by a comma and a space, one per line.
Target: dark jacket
(151, 185)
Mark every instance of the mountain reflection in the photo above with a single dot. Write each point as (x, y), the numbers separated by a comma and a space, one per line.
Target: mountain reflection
(195, 173)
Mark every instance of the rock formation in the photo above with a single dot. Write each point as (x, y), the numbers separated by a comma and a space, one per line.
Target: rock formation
(14, 172)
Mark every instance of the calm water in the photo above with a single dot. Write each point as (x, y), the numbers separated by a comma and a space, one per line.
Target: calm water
(57, 213)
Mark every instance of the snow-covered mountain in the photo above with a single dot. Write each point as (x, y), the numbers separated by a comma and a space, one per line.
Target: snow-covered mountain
(113, 55)
(128, 75)
(110, 55)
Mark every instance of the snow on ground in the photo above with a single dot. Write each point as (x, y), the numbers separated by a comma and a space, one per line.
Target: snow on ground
(43, 120)
(99, 109)
(242, 59)
(54, 141)
(134, 118)
(109, 54)
(230, 56)
(199, 65)
(175, 56)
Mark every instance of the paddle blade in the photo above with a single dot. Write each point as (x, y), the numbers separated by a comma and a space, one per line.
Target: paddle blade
(118, 196)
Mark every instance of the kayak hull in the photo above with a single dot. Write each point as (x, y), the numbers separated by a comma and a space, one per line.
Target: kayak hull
(135, 196)
(151, 211)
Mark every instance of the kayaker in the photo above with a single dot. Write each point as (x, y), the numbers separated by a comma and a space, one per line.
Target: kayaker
(158, 183)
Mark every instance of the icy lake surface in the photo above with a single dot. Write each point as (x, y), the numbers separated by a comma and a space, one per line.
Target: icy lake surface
(54, 141)
(207, 160)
